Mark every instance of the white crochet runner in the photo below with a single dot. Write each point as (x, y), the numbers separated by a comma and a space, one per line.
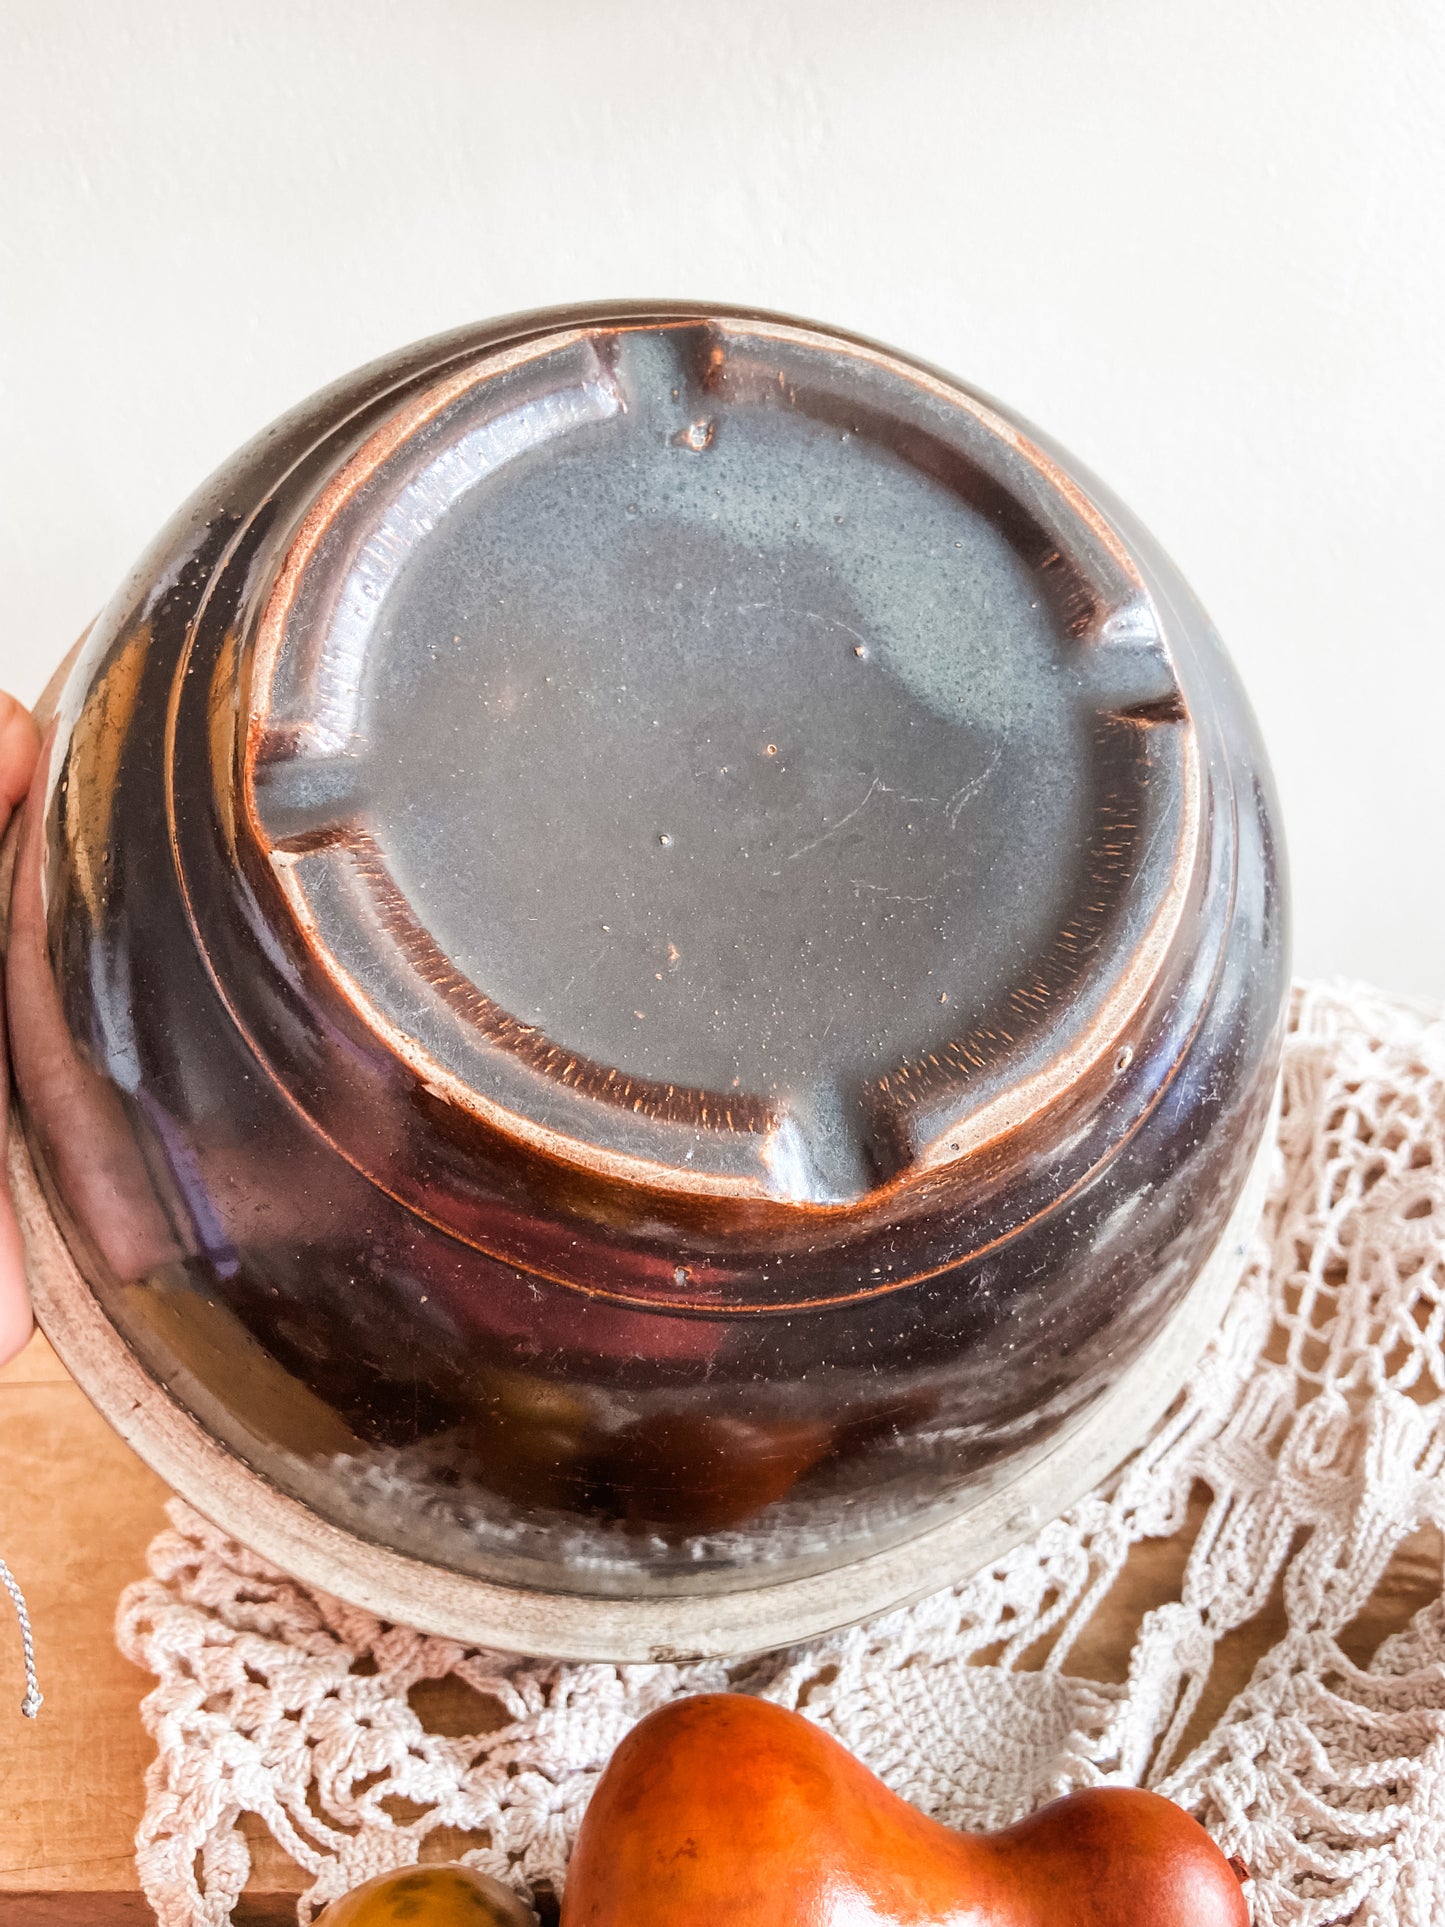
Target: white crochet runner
(1315, 1428)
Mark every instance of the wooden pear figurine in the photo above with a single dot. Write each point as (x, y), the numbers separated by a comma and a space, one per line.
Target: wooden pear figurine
(728, 1809)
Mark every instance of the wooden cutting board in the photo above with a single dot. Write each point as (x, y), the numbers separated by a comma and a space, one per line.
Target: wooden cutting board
(77, 1510)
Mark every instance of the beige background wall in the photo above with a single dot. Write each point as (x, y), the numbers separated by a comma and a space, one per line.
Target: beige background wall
(1203, 245)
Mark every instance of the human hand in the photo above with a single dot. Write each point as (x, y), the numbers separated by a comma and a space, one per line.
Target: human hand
(19, 747)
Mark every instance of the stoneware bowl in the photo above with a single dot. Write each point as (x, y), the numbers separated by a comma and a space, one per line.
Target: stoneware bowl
(645, 973)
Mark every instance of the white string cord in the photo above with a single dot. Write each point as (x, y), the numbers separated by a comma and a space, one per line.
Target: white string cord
(34, 1699)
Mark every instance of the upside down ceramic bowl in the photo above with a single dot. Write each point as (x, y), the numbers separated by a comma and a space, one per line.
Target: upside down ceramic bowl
(645, 974)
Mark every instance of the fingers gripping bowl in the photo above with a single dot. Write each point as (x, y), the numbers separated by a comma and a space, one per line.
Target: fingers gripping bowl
(645, 969)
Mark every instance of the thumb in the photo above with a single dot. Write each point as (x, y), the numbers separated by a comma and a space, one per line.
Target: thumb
(19, 747)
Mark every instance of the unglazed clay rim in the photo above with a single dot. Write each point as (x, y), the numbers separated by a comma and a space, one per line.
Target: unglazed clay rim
(570, 1626)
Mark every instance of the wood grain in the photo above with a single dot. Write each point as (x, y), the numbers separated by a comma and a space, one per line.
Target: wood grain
(102, 1908)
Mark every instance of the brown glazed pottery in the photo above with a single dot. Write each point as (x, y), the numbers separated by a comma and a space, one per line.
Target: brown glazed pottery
(646, 970)
(723, 1808)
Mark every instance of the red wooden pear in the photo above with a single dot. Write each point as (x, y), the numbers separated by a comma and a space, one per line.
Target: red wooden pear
(725, 1811)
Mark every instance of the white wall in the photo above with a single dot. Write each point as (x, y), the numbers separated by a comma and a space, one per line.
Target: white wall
(1204, 245)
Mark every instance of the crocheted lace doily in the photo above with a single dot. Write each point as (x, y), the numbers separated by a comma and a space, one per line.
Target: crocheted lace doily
(1315, 1428)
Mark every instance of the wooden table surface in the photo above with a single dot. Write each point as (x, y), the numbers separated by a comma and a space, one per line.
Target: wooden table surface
(77, 1509)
